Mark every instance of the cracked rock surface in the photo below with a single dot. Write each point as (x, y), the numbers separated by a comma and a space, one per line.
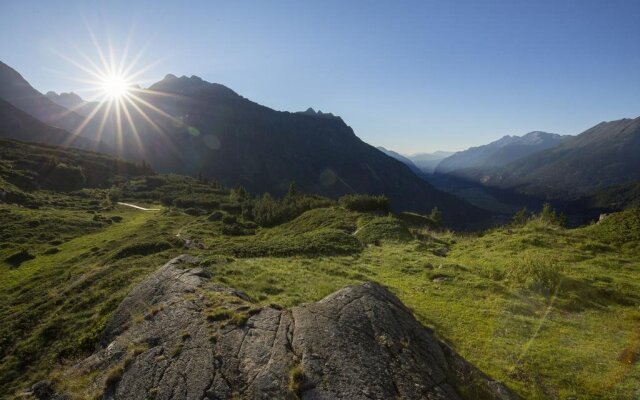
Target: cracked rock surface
(177, 336)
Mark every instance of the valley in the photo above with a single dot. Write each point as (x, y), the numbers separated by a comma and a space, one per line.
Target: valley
(549, 311)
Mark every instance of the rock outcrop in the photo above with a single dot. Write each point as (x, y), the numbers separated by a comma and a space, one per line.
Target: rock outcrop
(178, 336)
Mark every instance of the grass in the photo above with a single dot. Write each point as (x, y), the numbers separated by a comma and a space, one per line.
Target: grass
(296, 380)
(530, 306)
(552, 312)
(54, 307)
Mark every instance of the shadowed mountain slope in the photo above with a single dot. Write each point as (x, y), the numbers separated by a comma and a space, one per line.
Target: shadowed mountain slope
(17, 91)
(17, 124)
(190, 126)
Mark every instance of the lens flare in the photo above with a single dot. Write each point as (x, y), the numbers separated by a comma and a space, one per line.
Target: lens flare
(115, 87)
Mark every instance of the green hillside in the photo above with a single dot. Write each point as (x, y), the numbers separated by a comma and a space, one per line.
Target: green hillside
(552, 312)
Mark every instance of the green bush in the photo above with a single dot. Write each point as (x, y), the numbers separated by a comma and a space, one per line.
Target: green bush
(192, 202)
(216, 216)
(520, 218)
(231, 208)
(268, 211)
(365, 203)
(229, 219)
(534, 273)
(65, 177)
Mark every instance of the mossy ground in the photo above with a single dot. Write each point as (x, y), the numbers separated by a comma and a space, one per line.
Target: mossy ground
(552, 312)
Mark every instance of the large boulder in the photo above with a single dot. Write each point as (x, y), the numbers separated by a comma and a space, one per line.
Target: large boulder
(178, 336)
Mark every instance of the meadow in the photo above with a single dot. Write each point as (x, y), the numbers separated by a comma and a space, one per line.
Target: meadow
(550, 311)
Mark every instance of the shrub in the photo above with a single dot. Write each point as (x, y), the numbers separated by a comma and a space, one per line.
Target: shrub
(296, 380)
(65, 177)
(231, 208)
(113, 376)
(229, 219)
(436, 217)
(534, 273)
(549, 216)
(365, 203)
(268, 211)
(520, 218)
(194, 202)
(194, 211)
(238, 194)
(237, 230)
(216, 216)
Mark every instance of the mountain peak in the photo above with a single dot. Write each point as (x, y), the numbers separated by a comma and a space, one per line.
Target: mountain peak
(191, 86)
(68, 100)
(320, 114)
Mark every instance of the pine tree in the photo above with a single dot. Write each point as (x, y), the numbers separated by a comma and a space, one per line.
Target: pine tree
(436, 217)
(293, 189)
(521, 217)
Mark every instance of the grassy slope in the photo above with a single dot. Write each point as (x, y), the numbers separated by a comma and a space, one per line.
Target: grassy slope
(55, 306)
(576, 338)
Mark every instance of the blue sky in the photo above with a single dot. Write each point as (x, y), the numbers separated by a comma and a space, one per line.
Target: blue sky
(410, 76)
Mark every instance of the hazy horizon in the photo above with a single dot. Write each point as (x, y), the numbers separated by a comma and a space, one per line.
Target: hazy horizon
(418, 78)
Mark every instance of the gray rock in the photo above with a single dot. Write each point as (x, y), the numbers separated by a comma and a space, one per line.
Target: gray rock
(196, 340)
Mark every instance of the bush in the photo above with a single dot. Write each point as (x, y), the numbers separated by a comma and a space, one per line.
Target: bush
(231, 208)
(520, 218)
(194, 202)
(436, 217)
(365, 203)
(237, 230)
(534, 273)
(229, 219)
(549, 216)
(216, 216)
(65, 177)
(268, 211)
(194, 211)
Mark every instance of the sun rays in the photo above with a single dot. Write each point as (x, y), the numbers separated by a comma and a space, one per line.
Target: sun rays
(118, 110)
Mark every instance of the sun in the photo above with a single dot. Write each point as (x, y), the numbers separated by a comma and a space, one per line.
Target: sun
(115, 87)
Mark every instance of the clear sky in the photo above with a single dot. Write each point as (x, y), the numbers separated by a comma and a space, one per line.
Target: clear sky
(410, 76)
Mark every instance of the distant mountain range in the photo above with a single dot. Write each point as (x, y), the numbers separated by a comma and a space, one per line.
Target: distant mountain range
(604, 155)
(497, 153)
(420, 163)
(428, 162)
(194, 127)
(403, 159)
(72, 102)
